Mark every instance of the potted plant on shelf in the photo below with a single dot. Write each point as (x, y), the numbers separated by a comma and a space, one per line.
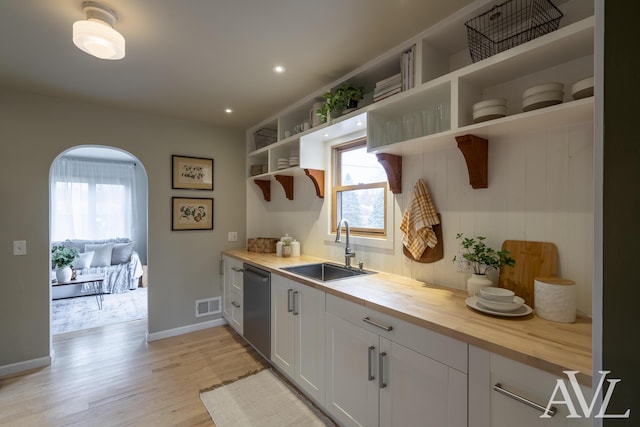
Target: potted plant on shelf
(479, 259)
(286, 248)
(62, 258)
(345, 97)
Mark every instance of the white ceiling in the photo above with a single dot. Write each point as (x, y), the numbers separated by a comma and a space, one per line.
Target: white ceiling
(193, 58)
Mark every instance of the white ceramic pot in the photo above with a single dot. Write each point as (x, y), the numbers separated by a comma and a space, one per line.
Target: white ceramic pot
(63, 274)
(477, 282)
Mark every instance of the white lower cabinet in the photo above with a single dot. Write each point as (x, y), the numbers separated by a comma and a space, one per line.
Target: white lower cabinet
(504, 393)
(372, 380)
(297, 334)
(232, 292)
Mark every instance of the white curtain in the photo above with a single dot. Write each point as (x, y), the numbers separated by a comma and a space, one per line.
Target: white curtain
(92, 199)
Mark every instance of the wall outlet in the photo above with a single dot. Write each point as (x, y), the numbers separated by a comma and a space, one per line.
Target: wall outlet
(19, 247)
(233, 236)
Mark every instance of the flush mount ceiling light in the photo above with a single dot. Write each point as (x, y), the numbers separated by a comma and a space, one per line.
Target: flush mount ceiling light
(96, 35)
(279, 69)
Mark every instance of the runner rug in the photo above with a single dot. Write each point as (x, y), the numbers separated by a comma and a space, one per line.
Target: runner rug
(260, 399)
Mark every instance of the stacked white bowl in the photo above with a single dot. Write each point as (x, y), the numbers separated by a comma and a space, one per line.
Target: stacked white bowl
(499, 299)
(542, 95)
(283, 162)
(582, 88)
(489, 109)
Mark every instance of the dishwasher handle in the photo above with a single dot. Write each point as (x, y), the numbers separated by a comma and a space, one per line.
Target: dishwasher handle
(259, 276)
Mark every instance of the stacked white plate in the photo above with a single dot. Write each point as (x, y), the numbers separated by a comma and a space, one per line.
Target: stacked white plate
(543, 95)
(283, 163)
(489, 109)
(294, 161)
(499, 299)
(582, 88)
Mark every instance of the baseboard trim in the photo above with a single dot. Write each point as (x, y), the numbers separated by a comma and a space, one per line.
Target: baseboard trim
(26, 365)
(185, 329)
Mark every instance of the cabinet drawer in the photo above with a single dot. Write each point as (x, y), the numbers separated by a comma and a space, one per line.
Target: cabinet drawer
(439, 347)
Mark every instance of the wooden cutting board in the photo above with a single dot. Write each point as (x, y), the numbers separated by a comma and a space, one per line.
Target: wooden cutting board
(533, 259)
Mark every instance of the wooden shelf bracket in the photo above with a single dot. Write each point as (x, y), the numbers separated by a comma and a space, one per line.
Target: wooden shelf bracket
(265, 186)
(476, 153)
(317, 177)
(287, 183)
(392, 165)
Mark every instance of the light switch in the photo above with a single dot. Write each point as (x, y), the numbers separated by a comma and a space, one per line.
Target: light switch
(19, 247)
(232, 236)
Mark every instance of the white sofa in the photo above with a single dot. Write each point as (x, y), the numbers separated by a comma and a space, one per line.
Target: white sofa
(116, 258)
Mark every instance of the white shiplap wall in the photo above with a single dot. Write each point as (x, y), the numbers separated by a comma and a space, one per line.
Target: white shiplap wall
(540, 189)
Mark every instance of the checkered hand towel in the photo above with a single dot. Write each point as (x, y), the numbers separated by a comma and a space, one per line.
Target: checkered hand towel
(418, 221)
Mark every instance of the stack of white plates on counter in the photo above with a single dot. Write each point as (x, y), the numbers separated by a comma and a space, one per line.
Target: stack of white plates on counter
(582, 88)
(294, 161)
(283, 163)
(542, 95)
(499, 301)
(489, 109)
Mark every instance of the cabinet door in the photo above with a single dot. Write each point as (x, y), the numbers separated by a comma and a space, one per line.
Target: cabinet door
(232, 293)
(282, 323)
(308, 315)
(352, 386)
(419, 391)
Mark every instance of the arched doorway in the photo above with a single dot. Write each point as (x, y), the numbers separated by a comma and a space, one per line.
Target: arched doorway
(98, 208)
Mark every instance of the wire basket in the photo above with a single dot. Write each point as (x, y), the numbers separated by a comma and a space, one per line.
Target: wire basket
(510, 24)
(264, 137)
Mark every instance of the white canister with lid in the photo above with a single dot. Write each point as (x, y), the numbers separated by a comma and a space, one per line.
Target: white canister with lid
(555, 299)
(295, 248)
(279, 248)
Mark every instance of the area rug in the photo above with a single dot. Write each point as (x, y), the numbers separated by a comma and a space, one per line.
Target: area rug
(260, 399)
(72, 314)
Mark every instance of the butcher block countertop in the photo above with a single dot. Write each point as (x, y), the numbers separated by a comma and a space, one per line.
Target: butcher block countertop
(550, 346)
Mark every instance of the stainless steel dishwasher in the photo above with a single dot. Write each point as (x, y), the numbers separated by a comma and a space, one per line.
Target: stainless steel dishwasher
(257, 309)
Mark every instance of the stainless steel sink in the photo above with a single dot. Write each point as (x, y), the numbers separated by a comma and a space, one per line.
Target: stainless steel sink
(325, 271)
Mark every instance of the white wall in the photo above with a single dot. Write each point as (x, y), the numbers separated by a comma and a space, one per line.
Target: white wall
(540, 189)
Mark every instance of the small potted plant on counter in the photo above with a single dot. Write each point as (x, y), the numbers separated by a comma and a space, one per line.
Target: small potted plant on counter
(62, 258)
(479, 259)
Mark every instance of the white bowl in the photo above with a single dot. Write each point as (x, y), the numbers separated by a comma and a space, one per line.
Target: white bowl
(494, 293)
(542, 99)
(545, 87)
(489, 103)
(582, 88)
(500, 306)
(489, 113)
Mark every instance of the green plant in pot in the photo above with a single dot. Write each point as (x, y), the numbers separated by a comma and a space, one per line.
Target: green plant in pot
(62, 258)
(342, 98)
(479, 259)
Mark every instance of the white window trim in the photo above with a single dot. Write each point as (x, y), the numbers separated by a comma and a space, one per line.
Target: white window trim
(363, 241)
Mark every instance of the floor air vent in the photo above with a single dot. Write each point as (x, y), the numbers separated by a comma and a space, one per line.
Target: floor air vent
(206, 307)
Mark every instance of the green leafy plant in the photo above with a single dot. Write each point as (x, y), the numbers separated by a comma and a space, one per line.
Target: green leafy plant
(345, 96)
(61, 256)
(286, 242)
(479, 258)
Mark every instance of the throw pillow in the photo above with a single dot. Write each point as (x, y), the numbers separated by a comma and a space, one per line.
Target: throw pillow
(121, 253)
(102, 255)
(83, 261)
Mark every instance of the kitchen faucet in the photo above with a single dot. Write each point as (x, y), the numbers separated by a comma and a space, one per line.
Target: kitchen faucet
(348, 254)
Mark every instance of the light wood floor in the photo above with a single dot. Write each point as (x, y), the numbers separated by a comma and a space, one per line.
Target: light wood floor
(110, 376)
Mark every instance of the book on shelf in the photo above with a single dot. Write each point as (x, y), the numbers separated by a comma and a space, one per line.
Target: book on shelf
(407, 68)
(382, 96)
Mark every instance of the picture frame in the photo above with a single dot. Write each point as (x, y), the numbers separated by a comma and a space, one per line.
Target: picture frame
(191, 173)
(191, 213)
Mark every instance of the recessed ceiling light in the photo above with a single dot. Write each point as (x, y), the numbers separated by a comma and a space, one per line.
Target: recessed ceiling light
(279, 69)
(228, 110)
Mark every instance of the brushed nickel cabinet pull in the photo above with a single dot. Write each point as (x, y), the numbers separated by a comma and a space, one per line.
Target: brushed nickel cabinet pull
(296, 303)
(235, 304)
(238, 269)
(498, 387)
(381, 382)
(289, 305)
(370, 376)
(379, 325)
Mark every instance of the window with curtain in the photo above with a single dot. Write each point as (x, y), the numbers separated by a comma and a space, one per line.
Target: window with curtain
(92, 199)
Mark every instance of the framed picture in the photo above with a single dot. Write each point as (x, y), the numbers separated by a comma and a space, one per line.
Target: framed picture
(192, 173)
(192, 213)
